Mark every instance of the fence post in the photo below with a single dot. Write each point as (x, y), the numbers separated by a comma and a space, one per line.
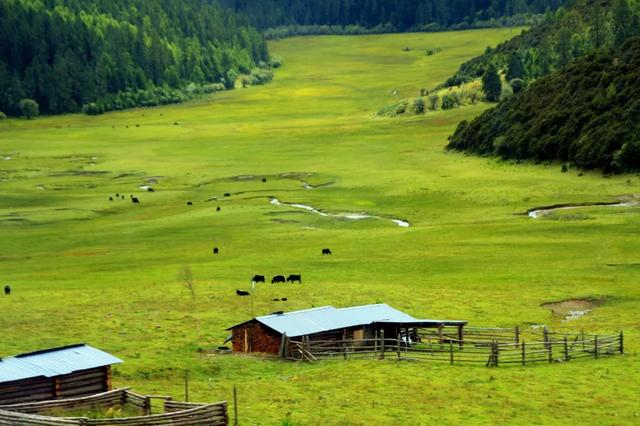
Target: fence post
(517, 331)
(235, 406)
(566, 349)
(375, 343)
(382, 344)
(497, 351)
(524, 357)
(550, 349)
(621, 343)
(451, 352)
(595, 347)
(398, 348)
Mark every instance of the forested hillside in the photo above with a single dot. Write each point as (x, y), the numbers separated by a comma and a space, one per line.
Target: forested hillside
(587, 114)
(572, 32)
(114, 54)
(383, 16)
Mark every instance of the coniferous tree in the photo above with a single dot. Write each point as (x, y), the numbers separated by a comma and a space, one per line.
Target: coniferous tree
(491, 84)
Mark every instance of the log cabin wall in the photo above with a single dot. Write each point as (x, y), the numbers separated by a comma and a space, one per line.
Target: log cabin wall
(79, 383)
(255, 337)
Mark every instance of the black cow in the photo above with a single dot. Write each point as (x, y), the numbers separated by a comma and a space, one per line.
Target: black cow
(110, 198)
(150, 189)
(7, 290)
(326, 251)
(278, 279)
(215, 250)
(242, 293)
(117, 195)
(258, 279)
(264, 179)
(122, 197)
(135, 200)
(293, 278)
(218, 209)
(226, 194)
(189, 203)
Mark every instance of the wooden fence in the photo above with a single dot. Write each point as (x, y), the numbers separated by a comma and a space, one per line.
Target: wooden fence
(175, 413)
(491, 347)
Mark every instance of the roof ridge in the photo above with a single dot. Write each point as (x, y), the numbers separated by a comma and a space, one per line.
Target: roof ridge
(297, 312)
(366, 306)
(44, 351)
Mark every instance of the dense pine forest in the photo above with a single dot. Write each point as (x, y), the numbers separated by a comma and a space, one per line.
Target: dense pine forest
(358, 16)
(59, 56)
(569, 33)
(586, 114)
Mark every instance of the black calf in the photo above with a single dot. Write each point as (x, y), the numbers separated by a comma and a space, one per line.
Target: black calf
(293, 278)
(278, 279)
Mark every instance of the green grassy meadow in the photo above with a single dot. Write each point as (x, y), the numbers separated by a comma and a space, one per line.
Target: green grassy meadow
(85, 269)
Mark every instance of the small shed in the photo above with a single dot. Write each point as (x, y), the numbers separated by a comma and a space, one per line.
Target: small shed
(265, 333)
(65, 372)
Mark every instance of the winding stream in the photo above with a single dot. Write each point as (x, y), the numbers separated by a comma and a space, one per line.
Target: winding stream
(542, 211)
(351, 216)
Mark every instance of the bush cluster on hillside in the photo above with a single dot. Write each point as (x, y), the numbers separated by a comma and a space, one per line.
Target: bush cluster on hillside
(586, 114)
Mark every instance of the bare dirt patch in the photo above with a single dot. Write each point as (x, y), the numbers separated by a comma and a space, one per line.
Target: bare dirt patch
(571, 309)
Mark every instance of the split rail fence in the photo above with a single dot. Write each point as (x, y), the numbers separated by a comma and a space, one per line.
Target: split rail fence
(489, 346)
(175, 413)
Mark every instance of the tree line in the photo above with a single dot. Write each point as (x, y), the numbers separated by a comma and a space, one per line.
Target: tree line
(585, 114)
(64, 55)
(361, 16)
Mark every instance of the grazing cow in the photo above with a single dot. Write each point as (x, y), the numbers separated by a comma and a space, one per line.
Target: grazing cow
(258, 279)
(189, 203)
(149, 189)
(110, 198)
(123, 197)
(278, 279)
(218, 209)
(135, 200)
(215, 250)
(293, 278)
(176, 124)
(264, 180)
(226, 194)
(275, 300)
(326, 251)
(7, 290)
(118, 195)
(284, 299)
(242, 293)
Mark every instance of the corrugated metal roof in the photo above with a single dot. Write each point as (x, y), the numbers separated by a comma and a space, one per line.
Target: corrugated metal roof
(317, 320)
(54, 362)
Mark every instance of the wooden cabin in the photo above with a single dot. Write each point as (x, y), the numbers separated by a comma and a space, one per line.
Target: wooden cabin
(65, 372)
(265, 334)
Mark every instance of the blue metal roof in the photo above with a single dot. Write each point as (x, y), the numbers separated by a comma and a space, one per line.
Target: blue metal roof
(317, 320)
(54, 362)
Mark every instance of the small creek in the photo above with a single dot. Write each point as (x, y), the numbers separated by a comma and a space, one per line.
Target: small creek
(351, 216)
(542, 211)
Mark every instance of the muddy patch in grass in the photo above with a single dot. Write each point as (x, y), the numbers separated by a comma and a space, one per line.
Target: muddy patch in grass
(572, 309)
(79, 173)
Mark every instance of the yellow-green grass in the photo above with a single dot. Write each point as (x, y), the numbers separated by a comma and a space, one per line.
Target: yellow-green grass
(84, 269)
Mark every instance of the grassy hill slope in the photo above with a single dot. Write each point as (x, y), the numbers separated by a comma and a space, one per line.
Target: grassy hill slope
(586, 114)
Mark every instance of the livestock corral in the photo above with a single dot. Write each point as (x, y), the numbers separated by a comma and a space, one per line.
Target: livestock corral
(489, 346)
